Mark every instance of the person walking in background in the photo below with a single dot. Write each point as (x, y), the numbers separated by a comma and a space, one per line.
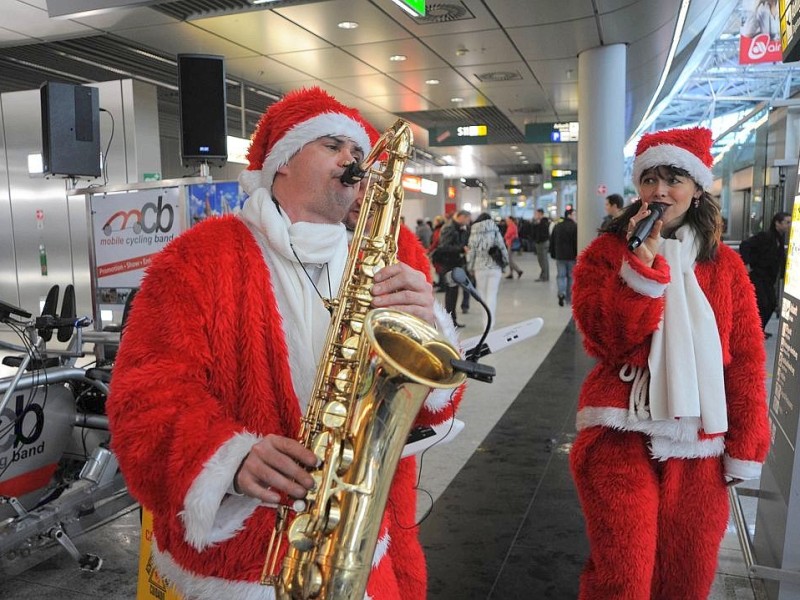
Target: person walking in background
(675, 408)
(450, 253)
(438, 223)
(486, 258)
(512, 243)
(613, 206)
(564, 249)
(423, 233)
(541, 238)
(765, 257)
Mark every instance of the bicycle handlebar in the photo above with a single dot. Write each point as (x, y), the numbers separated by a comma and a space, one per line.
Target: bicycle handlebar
(50, 322)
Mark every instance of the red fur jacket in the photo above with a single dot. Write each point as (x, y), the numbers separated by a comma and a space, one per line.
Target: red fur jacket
(618, 303)
(202, 374)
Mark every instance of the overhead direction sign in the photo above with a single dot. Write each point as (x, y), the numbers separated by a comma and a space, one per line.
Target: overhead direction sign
(564, 174)
(551, 133)
(458, 135)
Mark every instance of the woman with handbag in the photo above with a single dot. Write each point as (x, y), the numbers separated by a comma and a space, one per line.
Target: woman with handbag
(513, 244)
(487, 257)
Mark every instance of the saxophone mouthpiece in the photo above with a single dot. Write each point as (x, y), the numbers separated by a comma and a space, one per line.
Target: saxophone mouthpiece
(353, 174)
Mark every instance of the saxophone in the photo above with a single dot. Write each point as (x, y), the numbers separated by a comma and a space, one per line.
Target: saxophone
(377, 368)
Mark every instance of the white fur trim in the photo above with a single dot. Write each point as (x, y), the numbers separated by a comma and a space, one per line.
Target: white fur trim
(326, 124)
(741, 469)
(439, 399)
(639, 283)
(250, 181)
(200, 587)
(668, 154)
(663, 448)
(675, 438)
(381, 548)
(208, 515)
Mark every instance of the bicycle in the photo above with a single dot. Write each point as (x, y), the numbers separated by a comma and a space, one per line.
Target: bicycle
(58, 477)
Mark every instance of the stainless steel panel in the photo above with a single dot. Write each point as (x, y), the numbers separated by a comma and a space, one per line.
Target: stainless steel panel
(8, 267)
(39, 222)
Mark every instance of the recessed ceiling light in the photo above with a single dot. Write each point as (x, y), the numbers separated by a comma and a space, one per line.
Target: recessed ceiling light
(518, 152)
(398, 58)
(514, 147)
(456, 99)
(347, 25)
(525, 162)
(432, 81)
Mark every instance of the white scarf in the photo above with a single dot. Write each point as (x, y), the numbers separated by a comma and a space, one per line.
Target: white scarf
(320, 247)
(685, 363)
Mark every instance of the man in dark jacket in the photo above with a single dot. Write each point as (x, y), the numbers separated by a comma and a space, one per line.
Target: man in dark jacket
(541, 240)
(451, 253)
(564, 248)
(765, 257)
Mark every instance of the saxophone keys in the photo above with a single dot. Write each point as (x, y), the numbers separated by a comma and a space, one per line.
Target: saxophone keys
(343, 381)
(334, 414)
(372, 263)
(349, 348)
(298, 535)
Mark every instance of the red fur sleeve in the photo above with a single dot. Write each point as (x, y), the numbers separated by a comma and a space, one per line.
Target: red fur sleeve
(616, 319)
(745, 388)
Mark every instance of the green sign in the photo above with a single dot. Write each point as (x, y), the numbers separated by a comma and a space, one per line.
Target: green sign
(464, 135)
(551, 133)
(151, 176)
(416, 8)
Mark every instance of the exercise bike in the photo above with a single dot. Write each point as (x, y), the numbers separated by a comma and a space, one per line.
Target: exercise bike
(58, 477)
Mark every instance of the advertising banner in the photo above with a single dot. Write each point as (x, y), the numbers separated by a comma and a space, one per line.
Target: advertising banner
(129, 229)
(760, 36)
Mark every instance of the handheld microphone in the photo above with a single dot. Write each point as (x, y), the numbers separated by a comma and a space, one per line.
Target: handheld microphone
(645, 226)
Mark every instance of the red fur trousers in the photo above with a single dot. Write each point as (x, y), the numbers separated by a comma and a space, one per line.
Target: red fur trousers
(654, 527)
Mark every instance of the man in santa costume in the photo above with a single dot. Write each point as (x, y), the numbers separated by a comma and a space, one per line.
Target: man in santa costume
(675, 408)
(220, 355)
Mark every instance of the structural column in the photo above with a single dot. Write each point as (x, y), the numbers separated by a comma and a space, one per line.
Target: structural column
(601, 122)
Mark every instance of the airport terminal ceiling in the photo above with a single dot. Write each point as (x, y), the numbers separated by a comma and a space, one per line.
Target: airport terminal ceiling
(504, 63)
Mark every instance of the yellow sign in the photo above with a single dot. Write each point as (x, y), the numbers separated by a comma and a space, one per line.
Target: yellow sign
(151, 586)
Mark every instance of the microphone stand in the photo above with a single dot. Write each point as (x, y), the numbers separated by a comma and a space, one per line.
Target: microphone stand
(471, 367)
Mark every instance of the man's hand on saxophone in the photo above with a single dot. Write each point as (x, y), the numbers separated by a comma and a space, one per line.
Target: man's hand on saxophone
(274, 466)
(400, 287)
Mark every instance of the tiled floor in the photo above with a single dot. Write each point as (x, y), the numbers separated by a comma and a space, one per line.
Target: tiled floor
(504, 520)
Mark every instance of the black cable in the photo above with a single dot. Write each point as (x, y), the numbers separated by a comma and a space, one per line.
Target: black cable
(417, 487)
(104, 167)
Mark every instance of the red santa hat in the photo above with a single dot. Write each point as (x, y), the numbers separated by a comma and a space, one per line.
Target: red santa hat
(687, 149)
(298, 118)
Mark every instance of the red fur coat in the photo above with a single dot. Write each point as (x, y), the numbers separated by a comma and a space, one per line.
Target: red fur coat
(618, 303)
(202, 374)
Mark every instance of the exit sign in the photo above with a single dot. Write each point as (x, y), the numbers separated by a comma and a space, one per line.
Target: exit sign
(416, 8)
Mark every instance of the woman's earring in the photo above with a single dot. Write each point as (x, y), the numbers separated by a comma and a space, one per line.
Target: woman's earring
(697, 202)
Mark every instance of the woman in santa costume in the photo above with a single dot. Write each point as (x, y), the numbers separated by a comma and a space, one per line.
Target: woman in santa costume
(675, 409)
(220, 354)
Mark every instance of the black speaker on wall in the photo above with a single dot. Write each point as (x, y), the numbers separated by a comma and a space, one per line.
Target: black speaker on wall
(204, 122)
(70, 129)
